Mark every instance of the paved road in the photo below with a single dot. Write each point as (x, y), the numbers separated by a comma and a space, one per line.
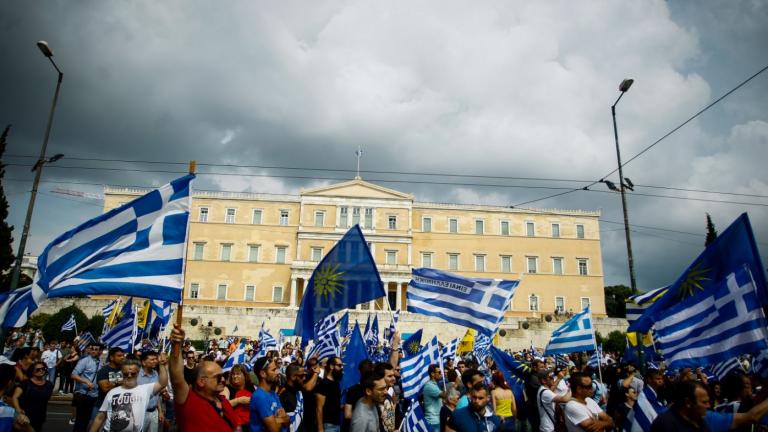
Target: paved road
(58, 417)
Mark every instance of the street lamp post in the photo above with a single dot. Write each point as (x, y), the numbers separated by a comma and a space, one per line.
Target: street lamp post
(623, 87)
(38, 168)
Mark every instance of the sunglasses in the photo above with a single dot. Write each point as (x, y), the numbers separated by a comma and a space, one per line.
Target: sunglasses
(130, 374)
(41, 369)
(217, 377)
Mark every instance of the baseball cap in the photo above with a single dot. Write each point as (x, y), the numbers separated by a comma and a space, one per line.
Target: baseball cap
(5, 360)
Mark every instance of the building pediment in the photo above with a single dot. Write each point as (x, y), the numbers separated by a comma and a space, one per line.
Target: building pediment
(357, 188)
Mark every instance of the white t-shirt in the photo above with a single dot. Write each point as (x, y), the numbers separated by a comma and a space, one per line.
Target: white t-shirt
(50, 358)
(576, 412)
(545, 400)
(562, 387)
(125, 408)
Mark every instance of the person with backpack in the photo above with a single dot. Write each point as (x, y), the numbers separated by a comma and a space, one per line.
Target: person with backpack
(551, 417)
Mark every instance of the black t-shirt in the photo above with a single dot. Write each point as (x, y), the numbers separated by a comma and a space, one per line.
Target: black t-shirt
(34, 400)
(446, 416)
(670, 420)
(288, 401)
(354, 393)
(190, 375)
(332, 406)
(103, 374)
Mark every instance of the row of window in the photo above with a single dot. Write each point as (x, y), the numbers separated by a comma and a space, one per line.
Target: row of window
(533, 304)
(316, 254)
(363, 216)
(249, 293)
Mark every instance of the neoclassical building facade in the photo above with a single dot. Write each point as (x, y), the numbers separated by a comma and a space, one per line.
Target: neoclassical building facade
(249, 250)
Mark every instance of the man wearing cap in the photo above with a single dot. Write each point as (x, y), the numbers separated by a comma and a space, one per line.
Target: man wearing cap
(546, 400)
(266, 412)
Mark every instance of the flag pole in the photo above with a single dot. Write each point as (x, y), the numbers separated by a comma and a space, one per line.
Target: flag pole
(180, 309)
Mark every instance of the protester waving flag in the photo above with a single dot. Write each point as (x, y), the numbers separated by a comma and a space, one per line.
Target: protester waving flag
(414, 369)
(135, 249)
(479, 304)
(70, 324)
(414, 420)
(576, 334)
(347, 276)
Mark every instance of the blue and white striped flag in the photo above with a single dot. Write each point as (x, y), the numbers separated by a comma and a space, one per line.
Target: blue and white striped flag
(237, 357)
(482, 345)
(328, 343)
(414, 420)
(576, 334)
(449, 350)
(122, 334)
(85, 340)
(597, 358)
(16, 305)
(136, 249)
(296, 416)
(637, 304)
(70, 324)
(109, 308)
(162, 309)
(479, 304)
(393, 325)
(536, 353)
(414, 369)
(760, 364)
(562, 360)
(266, 342)
(646, 409)
(722, 369)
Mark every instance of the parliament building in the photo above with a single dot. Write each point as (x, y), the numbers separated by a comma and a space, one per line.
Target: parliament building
(251, 250)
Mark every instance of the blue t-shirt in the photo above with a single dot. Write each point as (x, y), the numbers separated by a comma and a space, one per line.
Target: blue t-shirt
(264, 405)
(7, 415)
(718, 422)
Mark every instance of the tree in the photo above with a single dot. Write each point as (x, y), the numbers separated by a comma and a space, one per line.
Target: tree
(96, 325)
(616, 300)
(711, 231)
(616, 341)
(6, 239)
(52, 328)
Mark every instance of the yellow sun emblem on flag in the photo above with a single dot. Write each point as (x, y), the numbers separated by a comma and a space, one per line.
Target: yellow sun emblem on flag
(413, 348)
(693, 279)
(328, 281)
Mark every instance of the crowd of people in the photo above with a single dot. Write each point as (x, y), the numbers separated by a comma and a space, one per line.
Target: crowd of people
(189, 390)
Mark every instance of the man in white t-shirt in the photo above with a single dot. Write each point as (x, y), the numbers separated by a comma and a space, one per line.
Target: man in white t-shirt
(582, 412)
(51, 357)
(124, 407)
(546, 400)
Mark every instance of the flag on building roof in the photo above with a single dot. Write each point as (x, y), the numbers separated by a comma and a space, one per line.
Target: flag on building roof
(475, 303)
(414, 420)
(237, 357)
(576, 334)
(414, 370)
(70, 324)
(347, 276)
(412, 345)
(733, 249)
(353, 355)
(122, 334)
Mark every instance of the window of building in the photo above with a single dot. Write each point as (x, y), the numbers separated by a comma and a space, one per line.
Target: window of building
(344, 217)
(250, 290)
(256, 220)
(560, 305)
(530, 229)
(533, 264)
(203, 214)
(392, 222)
(506, 264)
(585, 303)
(479, 226)
(533, 303)
(319, 218)
(226, 251)
(317, 254)
(283, 217)
(280, 254)
(453, 225)
(355, 216)
(557, 265)
(230, 217)
(199, 251)
(221, 292)
(194, 290)
(277, 294)
(580, 231)
(479, 263)
(253, 253)
(392, 299)
(555, 230)
(391, 257)
(426, 224)
(453, 262)
(426, 259)
(369, 218)
(505, 228)
(583, 266)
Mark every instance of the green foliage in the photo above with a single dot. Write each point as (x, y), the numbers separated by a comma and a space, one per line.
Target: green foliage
(711, 231)
(615, 341)
(616, 299)
(96, 325)
(38, 320)
(52, 328)
(199, 345)
(6, 231)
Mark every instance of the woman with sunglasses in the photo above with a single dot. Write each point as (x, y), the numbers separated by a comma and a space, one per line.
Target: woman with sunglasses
(35, 394)
(238, 391)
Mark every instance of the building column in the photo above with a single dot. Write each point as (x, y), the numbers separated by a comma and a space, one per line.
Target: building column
(404, 287)
(398, 297)
(293, 292)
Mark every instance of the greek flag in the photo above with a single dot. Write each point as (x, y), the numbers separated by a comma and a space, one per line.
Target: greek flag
(562, 360)
(372, 336)
(597, 358)
(328, 342)
(414, 369)
(760, 364)
(646, 409)
(414, 419)
(16, 305)
(135, 249)
(479, 304)
(722, 369)
(576, 334)
(266, 342)
(70, 324)
(393, 324)
(637, 304)
(162, 309)
(482, 345)
(122, 334)
(297, 415)
(237, 357)
(85, 340)
(110, 312)
(449, 350)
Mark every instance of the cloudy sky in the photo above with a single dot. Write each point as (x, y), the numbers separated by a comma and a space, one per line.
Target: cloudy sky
(519, 92)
